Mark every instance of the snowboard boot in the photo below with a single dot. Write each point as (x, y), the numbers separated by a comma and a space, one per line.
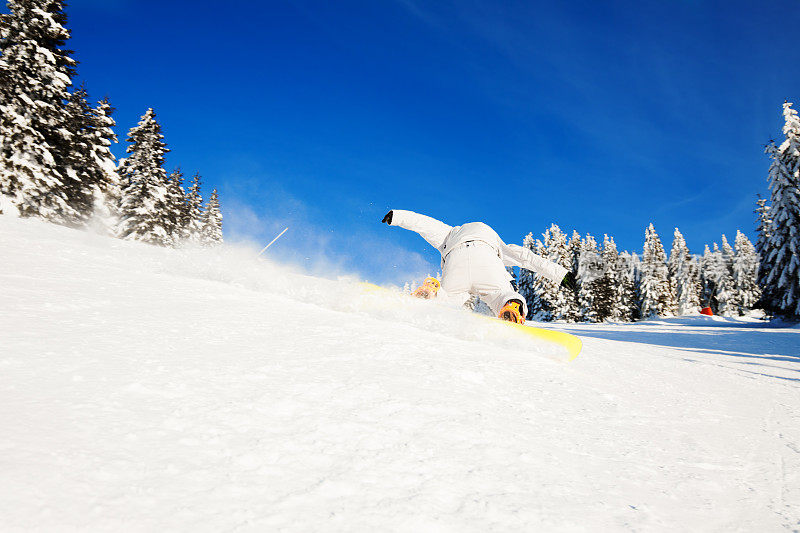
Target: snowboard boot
(429, 289)
(512, 312)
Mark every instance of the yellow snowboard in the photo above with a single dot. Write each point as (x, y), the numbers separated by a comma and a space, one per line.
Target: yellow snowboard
(570, 342)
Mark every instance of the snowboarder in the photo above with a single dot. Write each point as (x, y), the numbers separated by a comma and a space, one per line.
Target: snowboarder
(474, 261)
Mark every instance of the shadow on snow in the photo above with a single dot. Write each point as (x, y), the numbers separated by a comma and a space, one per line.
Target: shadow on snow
(750, 343)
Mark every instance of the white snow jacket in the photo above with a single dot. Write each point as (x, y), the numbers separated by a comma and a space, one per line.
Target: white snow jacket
(446, 238)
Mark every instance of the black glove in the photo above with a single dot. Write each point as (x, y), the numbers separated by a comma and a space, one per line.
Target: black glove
(388, 218)
(569, 282)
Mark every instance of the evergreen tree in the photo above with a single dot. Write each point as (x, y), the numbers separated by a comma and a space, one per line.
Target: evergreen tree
(718, 280)
(764, 230)
(628, 277)
(684, 276)
(88, 165)
(212, 221)
(764, 226)
(572, 311)
(108, 191)
(552, 301)
(526, 278)
(694, 294)
(781, 264)
(725, 293)
(655, 294)
(590, 269)
(707, 279)
(82, 177)
(35, 72)
(193, 222)
(745, 274)
(605, 287)
(175, 209)
(144, 188)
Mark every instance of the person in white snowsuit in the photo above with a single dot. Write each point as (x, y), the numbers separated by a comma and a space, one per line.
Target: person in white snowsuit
(474, 259)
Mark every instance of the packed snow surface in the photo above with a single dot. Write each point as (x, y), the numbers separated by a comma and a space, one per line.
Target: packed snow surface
(204, 390)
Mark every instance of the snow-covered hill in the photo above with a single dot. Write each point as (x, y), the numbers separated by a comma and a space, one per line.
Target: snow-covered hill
(203, 390)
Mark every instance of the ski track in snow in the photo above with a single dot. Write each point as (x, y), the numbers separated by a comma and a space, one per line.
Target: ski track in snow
(149, 389)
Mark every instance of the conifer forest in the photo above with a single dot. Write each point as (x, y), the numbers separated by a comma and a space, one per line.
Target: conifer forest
(55, 145)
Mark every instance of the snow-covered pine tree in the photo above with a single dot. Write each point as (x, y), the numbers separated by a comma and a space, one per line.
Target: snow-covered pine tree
(764, 230)
(77, 164)
(745, 274)
(35, 72)
(88, 164)
(684, 276)
(212, 221)
(725, 293)
(552, 300)
(694, 296)
(763, 226)
(781, 279)
(144, 188)
(707, 283)
(572, 311)
(193, 223)
(175, 208)
(108, 191)
(675, 255)
(626, 305)
(717, 281)
(590, 269)
(605, 287)
(526, 278)
(654, 289)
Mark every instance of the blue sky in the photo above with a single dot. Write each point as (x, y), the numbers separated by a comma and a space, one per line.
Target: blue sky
(598, 116)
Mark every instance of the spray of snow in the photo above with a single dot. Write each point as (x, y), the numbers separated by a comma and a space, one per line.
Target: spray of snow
(238, 266)
(317, 251)
(7, 207)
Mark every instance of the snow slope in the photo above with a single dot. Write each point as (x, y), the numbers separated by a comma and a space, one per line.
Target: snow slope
(149, 389)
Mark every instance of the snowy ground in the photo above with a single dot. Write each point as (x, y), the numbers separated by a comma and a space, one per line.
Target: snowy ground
(149, 389)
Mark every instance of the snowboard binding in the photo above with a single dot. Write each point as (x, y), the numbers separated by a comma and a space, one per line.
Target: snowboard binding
(512, 312)
(429, 288)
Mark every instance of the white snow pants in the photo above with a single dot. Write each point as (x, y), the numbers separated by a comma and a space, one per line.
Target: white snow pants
(474, 268)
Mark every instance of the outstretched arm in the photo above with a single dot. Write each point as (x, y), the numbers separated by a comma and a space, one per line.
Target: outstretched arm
(514, 255)
(432, 230)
